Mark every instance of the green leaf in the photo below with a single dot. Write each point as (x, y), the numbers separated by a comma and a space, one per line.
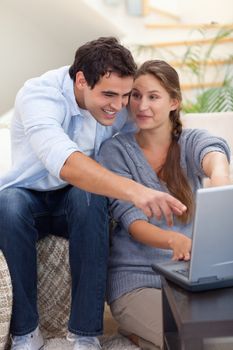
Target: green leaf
(218, 99)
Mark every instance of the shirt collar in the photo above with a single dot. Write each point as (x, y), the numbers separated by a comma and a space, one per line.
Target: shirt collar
(69, 94)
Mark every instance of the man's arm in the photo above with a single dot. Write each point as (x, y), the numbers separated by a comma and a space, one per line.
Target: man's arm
(85, 173)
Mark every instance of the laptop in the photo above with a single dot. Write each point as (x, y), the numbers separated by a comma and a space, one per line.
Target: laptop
(211, 263)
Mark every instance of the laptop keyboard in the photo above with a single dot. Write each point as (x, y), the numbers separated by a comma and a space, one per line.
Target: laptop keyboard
(184, 272)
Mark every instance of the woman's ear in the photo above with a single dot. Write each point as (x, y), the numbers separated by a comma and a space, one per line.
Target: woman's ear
(80, 81)
(174, 104)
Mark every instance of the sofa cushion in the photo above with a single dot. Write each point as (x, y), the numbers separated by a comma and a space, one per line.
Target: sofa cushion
(5, 151)
(219, 124)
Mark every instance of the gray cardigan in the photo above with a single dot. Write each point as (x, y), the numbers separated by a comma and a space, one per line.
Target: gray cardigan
(130, 261)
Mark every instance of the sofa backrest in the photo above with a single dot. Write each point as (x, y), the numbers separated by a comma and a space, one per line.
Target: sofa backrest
(219, 124)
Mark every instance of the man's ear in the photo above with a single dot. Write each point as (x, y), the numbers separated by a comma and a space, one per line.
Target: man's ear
(80, 80)
(174, 104)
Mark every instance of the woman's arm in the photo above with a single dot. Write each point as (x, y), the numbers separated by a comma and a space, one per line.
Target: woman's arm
(146, 233)
(216, 167)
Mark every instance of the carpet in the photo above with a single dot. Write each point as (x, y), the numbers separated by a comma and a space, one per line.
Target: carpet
(115, 342)
(118, 342)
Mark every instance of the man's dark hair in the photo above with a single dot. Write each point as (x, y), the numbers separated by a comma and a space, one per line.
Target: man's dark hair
(99, 57)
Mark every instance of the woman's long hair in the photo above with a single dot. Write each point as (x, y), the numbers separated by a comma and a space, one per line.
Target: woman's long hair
(171, 172)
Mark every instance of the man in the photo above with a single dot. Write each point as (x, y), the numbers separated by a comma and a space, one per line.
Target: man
(60, 121)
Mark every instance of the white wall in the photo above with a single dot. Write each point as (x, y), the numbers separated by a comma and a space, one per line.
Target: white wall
(199, 10)
(38, 35)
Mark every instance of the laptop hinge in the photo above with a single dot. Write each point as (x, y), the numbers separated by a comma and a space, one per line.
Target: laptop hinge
(208, 279)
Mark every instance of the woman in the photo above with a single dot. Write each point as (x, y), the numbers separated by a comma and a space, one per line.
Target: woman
(162, 156)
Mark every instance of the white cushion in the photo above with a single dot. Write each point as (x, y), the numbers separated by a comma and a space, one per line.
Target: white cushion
(5, 119)
(5, 150)
(219, 124)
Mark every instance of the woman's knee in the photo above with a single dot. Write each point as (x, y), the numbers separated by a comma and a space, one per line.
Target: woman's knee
(139, 312)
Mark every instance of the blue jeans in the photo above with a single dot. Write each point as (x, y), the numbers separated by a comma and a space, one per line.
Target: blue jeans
(27, 216)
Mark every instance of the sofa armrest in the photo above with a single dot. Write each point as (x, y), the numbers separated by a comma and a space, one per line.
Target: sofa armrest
(54, 290)
(54, 285)
(5, 302)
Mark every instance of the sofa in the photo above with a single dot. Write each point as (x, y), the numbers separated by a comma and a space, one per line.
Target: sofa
(53, 267)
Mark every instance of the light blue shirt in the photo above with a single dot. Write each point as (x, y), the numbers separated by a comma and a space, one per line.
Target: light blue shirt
(46, 125)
